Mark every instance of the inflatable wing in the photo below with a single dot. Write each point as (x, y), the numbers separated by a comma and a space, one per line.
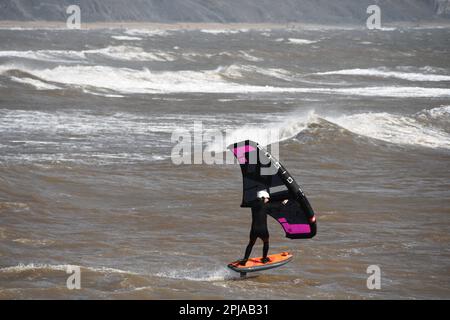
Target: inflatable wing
(261, 171)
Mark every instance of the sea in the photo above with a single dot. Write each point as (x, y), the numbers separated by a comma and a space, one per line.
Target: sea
(90, 124)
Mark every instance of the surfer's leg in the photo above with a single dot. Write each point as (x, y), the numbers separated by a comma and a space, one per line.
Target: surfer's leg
(250, 245)
(265, 249)
(249, 248)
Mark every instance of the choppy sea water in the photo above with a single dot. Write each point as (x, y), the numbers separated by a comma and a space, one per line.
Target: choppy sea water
(86, 177)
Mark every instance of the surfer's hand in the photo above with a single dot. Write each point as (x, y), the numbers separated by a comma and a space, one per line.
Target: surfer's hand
(285, 201)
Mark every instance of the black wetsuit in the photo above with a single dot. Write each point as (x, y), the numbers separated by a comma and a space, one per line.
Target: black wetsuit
(259, 226)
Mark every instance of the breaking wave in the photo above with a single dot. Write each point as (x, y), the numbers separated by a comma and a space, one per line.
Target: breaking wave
(220, 80)
(386, 73)
(38, 84)
(438, 114)
(391, 128)
(46, 55)
(406, 130)
(127, 53)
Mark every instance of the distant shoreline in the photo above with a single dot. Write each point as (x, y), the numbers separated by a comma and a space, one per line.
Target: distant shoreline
(11, 24)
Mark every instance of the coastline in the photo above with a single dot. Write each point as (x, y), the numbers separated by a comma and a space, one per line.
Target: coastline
(12, 24)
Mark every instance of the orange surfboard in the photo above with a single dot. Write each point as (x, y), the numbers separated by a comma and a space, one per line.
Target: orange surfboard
(255, 264)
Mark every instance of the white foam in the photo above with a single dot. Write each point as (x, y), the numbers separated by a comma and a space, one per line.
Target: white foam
(31, 266)
(102, 94)
(53, 28)
(245, 55)
(406, 130)
(113, 52)
(301, 41)
(59, 267)
(125, 80)
(277, 129)
(237, 71)
(198, 274)
(126, 38)
(440, 113)
(387, 29)
(146, 32)
(270, 72)
(39, 85)
(132, 53)
(69, 134)
(241, 54)
(34, 242)
(389, 91)
(394, 129)
(220, 31)
(383, 73)
(78, 122)
(46, 55)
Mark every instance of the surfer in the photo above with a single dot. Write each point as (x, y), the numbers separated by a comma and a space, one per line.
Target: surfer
(260, 210)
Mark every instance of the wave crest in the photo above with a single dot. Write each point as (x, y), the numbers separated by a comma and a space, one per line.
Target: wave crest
(386, 73)
(312, 128)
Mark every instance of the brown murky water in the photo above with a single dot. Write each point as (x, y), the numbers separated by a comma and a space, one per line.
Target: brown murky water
(86, 178)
